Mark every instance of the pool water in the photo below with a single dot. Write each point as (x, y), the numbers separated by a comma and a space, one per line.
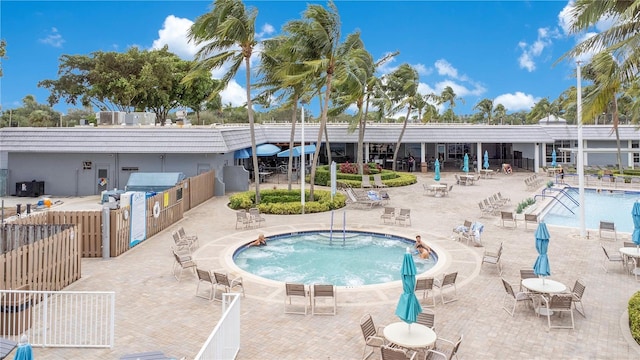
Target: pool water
(612, 206)
(355, 259)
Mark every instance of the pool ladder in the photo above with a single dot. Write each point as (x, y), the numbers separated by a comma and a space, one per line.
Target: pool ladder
(555, 197)
(344, 228)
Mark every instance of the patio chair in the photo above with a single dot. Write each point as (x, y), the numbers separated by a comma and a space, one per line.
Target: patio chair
(323, 292)
(526, 274)
(447, 190)
(427, 318)
(503, 198)
(428, 190)
(181, 245)
(393, 353)
(448, 280)
(611, 258)
(607, 227)
(192, 239)
(222, 279)
(517, 297)
(294, 290)
(181, 263)
(205, 276)
(254, 214)
(373, 337)
(530, 218)
(461, 229)
(388, 214)
(426, 286)
(377, 181)
(493, 258)
(559, 304)
(509, 218)
(404, 216)
(243, 219)
(366, 181)
(576, 296)
(444, 349)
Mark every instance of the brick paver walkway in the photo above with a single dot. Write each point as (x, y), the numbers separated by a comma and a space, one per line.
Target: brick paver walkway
(156, 312)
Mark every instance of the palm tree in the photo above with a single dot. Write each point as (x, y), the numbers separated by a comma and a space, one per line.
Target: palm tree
(499, 112)
(485, 106)
(227, 33)
(402, 85)
(622, 40)
(605, 73)
(448, 96)
(319, 32)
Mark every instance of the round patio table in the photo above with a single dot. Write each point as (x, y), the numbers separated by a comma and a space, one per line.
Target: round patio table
(543, 286)
(414, 336)
(633, 252)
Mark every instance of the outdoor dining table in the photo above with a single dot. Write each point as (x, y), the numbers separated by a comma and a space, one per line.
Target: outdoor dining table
(543, 286)
(486, 173)
(633, 252)
(414, 336)
(469, 179)
(438, 189)
(553, 171)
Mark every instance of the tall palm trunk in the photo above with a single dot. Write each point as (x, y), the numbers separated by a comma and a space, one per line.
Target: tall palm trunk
(397, 149)
(252, 130)
(616, 122)
(361, 124)
(291, 141)
(323, 124)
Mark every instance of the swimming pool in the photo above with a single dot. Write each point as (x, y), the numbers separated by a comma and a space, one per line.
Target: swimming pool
(604, 205)
(355, 259)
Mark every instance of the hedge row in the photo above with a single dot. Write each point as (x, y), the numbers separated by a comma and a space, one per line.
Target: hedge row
(285, 202)
(634, 316)
(389, 178)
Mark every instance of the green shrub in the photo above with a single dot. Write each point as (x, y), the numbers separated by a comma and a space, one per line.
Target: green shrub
(390, 178)
(284, 202)
(524, 204)
(634, 316)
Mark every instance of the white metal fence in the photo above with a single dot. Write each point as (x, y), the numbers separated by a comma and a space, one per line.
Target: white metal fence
(224, 341)
(58, 318)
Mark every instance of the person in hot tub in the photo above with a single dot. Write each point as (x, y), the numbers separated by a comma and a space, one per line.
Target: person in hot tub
(423, 249)
(260, 241)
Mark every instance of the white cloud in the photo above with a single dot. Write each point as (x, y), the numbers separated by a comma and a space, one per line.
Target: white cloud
(422, 70)
(516, 102)
(234, 94)
(444, 68)
(53, 38)
(564, 17)
(174, 34)
(460, 89)
(526, 60)
(267, 29)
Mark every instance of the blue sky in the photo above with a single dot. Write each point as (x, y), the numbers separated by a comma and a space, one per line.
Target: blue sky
(501, 50)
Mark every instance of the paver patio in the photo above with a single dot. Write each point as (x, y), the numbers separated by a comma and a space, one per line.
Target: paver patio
(156, 312)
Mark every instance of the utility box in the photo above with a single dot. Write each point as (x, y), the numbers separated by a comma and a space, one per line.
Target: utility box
(30, 188)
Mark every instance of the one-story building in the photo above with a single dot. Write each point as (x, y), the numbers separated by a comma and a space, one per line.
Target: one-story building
(86, 160)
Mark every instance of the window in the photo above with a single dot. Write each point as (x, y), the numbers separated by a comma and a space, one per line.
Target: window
(636, 155)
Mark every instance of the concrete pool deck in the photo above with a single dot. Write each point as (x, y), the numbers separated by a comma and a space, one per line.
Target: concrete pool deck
(156, 312)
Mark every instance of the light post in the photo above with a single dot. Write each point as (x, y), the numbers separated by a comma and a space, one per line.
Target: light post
(580, 154)
(302, 155)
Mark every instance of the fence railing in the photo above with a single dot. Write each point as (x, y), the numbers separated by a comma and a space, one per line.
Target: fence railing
(58, 318)
(224, 341)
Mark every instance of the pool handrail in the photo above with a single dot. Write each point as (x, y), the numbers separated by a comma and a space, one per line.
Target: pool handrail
(544, 195)
(565, 193)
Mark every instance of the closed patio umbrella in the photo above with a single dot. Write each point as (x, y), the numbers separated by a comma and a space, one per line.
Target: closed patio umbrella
(436, 170)
(24, 351)
(465, 165)
(541, 267)
(553, 158)
(635, 213)
(486, 160)
(408, 306)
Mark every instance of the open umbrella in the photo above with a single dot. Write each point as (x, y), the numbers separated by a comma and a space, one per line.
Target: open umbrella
(465, 165)
(541, 267)
(486, 160)
(408, 306)
(635, 214)
(436, 169)
(553, 158)
(24, 351)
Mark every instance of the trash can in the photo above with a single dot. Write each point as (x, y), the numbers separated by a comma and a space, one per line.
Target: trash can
(424, 167)
(15, 313)
(30, 188)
